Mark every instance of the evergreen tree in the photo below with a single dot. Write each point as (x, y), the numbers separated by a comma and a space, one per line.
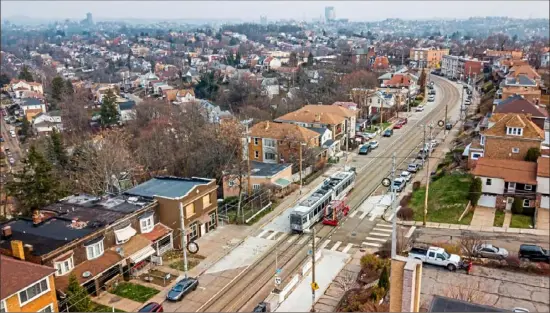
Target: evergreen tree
(4, 79)
(129, 60)
(109, 111)
(57, 88)
(229, 59)
(237, 58)
(78, 299)
(422, 80)
(293, 59)
(234, 41)
(384, 280)
(532, 155)
(207, 88)
(25, 128)
(310, 59)
(56, 150)
(25, 74)
(35, 186)
(69, 89)
(189, 60)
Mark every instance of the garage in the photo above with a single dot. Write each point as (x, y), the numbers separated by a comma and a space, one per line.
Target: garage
(545, 202)
(489, 201)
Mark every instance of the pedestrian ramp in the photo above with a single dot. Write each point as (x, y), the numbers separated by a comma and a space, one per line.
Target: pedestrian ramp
(381, 233)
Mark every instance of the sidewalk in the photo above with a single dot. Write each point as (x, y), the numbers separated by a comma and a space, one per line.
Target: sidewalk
(111, 300)
(492, 229)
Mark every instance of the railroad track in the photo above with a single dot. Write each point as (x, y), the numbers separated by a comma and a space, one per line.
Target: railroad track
(242, 289)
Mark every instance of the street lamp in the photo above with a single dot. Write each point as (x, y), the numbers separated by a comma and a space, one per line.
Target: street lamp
(314, 285)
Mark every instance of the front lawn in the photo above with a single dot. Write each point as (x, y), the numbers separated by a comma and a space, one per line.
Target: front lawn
(103, 308)
(447, 200)
(521, 221)
(134, 292)
(499, 218)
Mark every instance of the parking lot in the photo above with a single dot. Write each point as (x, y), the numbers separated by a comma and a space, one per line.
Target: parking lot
(488, 286)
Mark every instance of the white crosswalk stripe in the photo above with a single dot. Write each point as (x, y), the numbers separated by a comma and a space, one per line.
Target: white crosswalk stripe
(265, 231)
(352, 215)
(348, 247)
(338, 243)
(380, 234)
(382, 229)
(325, 244)
(365, 244)
(363, 215)
(377, 239)
(271, 235)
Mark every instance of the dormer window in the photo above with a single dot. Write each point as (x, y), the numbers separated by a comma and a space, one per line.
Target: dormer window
(94, 248)
(147, 223)
(514, 131)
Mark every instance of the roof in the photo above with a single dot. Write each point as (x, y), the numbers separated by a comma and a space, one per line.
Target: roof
(160, 230)
(282, 131)
(30, 101)
(520, 80)
(398, 80)
(523, 69)
(518, 104)
(168, 187)
(259, 169)
(530, 130)
(509, 170)
(444, 304)
(325, 114)
(17, 274)
(543, 167)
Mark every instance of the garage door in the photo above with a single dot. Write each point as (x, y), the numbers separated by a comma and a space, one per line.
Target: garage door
(487, 201)
(545, 202)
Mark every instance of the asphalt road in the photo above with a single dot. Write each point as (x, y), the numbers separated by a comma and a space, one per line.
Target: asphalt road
(10, 142)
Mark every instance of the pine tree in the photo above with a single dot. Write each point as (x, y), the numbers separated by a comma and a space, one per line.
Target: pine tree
(57, 88)
(384, 280)
(310, 59)
(109, 111)
(25, 128)
(35, 186)
(25, 74)
(238, 58)
(78, 299)
(56, 149)
(69, 89)
(4, 79)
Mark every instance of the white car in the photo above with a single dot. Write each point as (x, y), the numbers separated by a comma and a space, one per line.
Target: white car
(12, 133)
(431, 98)
(373, 144)
(419, 109)
(434, 143)
(406, 175)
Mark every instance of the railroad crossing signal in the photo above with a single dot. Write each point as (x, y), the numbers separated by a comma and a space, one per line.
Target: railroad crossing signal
(278, 280)
(314, 286)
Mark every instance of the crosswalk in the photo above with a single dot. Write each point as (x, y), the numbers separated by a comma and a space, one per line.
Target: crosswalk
(270, 234)
(378, 236)
(327, 244)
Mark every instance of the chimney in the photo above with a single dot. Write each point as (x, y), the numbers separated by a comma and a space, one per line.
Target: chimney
(267, 125)
(28, 248)
(17, 249)
(317, 117)
(6, 232)
(405, 284)
(36, 217)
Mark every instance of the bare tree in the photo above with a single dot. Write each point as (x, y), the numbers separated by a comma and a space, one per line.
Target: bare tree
(346, 280)
(74, 115)
(469, 243)
(401, 246)
(466, 291)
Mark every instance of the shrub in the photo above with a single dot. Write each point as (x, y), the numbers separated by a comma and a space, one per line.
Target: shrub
(513, 261)
(377, 293)
(544, 269)
(416, 185)
(517, 206)
(475, 191)
(451, 248)
(384, 281)
(371, 261)
(532, 155)
(405, 214)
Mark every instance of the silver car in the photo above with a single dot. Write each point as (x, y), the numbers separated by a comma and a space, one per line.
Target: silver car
(491, 252)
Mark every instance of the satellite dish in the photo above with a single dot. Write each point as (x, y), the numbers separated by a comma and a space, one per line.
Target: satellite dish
(86, 274)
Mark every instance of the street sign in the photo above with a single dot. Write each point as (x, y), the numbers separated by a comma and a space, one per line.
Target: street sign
(278, 280)
(278, 271)
(440, 123)
(386, 182)
(314, 286)
(309, 252)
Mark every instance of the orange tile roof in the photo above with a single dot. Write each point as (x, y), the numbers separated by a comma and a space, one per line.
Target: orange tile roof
(530, 130)
(157, 233)
(171, 94)
(398, 80)
(509, 170)
(325, 114)
(523, 69)
(543, 167)
(282, 131)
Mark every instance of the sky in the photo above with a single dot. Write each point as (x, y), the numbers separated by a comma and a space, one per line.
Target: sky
(252, 10)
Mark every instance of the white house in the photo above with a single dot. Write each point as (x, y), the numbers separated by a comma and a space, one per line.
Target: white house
(545, 60)
(44, 123)
(543, 182)
(32, 104)
(21, 86)
(380, 100)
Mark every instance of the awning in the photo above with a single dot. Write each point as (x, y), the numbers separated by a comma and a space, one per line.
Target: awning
(124, 234)
(281, 182)
(142, 254)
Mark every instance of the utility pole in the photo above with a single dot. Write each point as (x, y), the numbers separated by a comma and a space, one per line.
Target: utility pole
(347, 138)
(313, 283)
(445, 129)
(301, 182)
(183, 239)
(394, 220)
(249, 186)
(428, 178)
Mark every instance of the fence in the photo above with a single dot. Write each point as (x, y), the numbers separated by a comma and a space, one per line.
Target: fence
(251, 206)
(305, 173)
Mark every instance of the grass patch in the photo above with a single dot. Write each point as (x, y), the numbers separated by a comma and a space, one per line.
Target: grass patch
(521, 221)
(134, 292)
(447, 200)
(103, 308)
(191, 263)
(499, 218)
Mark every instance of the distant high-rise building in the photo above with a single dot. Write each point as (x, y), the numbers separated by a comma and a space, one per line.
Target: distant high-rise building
(330, 15)
(89, 19)
(263, 20)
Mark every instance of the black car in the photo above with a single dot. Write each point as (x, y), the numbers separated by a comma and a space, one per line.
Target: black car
(182, 288)
(152, 307)
(533, 253)
(261, 307)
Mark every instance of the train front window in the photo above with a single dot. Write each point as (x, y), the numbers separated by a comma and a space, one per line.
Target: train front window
(296, 219)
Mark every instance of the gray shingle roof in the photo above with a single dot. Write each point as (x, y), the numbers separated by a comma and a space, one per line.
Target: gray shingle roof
(167, 187)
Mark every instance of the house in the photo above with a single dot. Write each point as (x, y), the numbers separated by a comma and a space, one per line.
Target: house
(509, 136)
(97, 239)
(518, 104)
(505, 180)
(380, 101)
(32, 107)
(126, 109)
(543, 183)
(279, 142)
(398, 81)
(213, 113)
(21, 86)
(44, 123)
(524, 70)
(269, 174)
(427, 57)
(545, 60)
(185, 95)
(531, 93)
(195, 196)
(25, 286)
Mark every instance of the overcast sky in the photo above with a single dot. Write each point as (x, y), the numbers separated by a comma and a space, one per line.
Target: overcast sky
(251, 10)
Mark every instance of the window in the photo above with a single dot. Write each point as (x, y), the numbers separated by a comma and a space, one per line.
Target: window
(206, 201)
(256, 141)
(194, 232)
(269, 143)
(3, 307)
(231, 183)
(528, 187)
(270, 156)
(482, 141)
(256, 154)
(256, 186)
(64, 267)
(48, 308)
(476, 155)
(147, 224)
(526, 203)
(212, 220)
(511, 185)
(515, 150)
(34, 291)
(488, 182)
(190, 210)
(431, 255)
(514, 131)
(95, 250)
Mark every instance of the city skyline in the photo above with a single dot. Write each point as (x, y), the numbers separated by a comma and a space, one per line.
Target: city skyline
(274, 10)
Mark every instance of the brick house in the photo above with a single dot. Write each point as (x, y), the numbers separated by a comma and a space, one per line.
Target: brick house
(518, 104)
(505, 180)
(279, 175)
(543, 183)
(510, 136)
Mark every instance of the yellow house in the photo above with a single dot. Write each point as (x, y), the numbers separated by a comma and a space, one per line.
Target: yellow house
(26, 286)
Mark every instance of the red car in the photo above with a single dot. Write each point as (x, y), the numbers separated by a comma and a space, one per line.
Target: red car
(397, 126)
(152, 307)
(403, 121)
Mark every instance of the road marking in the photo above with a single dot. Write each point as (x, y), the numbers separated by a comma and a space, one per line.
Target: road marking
(271, 235)
(410, 232)
(371, 244)
(372, 217)
(384, 225)
(377, 239)
(263, 233)
(347, 248)
(382, 229)
(338, 243)
(325, 243)
(303, 240)
(380, 234)
(353, 213)
(290, 240)
(363, 215)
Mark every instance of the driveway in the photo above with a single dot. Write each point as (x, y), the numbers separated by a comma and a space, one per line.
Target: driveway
(483, 216)
(488, 286)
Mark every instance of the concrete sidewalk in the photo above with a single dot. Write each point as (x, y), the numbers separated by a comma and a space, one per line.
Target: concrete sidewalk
(111, 300)
(536, 232)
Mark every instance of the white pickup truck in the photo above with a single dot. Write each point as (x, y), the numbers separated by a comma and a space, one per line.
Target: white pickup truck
(436, 256)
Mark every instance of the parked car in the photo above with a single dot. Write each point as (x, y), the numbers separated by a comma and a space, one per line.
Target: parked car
(12, 133)
(397, 126)
(467, 102)
(403, 120)
(373, 144)
(182, 288)
(436, 256)
(364, 149)
(413, 168)
(1, 139)
(448, 126)
(152, 307)
(431, 98)
(419, 108)
(406, 175)
(422, 155)
(490, 251)
(388, 132)
(533, 253)
(398, 184)
(261, 307)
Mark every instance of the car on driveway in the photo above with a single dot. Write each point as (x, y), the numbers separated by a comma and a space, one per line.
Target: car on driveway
(406, 175)
(388, 132)
(182, 288)
(373, 144)
(533, 253)
(12, 161)
(419, 108)
(364, 149)
(491, 252)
